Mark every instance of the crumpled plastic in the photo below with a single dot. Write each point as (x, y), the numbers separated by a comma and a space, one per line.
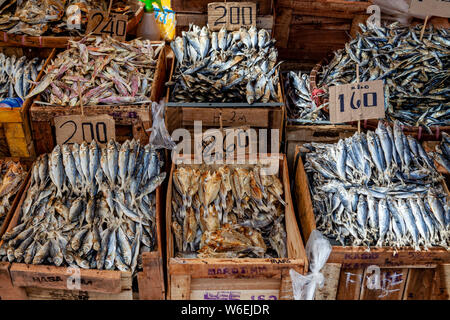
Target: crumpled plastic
(160, 137)
(396, 11)
(318, 249)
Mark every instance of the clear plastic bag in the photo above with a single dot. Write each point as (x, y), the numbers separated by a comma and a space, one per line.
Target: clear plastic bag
(160, 137)
(396, 11)
(318, 250)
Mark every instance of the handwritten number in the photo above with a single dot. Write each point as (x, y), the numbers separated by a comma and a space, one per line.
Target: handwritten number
(111, 29)
(87, 124)
(217, 22)
(250, 9)
(237, 15)
(123, 28)
(97, 131)
(74, 129)
(99, 22)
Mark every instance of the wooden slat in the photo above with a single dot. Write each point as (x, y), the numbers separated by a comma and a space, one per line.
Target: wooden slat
(350, 284)
(7, 290)
(180, 287)
(441, 283)
(151, 280)
(393, 283)
(420, 284)
(331, 273)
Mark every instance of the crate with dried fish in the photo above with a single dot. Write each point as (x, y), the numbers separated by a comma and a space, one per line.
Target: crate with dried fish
(46, 24)
(229, 78)
(231, 230)
(379, 199)
(309, 30)
(413, 70)
(20, 68)
(96, 77)
(89, 213)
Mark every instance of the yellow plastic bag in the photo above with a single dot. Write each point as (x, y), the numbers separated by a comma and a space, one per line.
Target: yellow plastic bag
(166, 21)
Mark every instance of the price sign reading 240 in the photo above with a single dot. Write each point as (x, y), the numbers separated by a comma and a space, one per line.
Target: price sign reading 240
(357, 101)
(231, 15)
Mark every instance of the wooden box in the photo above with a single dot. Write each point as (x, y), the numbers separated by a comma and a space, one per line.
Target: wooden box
(246, 278)
(57, 41)
(47, 282)
(14, 122)
(405, 274)
(131, 121)
(307, 31)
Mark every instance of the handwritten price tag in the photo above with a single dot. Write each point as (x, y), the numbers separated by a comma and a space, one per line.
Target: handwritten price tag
(76, 129)
(100, 24)
(357, 101)
(437, 8)
(231, 15)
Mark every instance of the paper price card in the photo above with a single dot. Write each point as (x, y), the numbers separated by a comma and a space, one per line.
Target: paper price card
(437, 8)
(77, 128)
(231, 15)
(102, 24)
(357, 101)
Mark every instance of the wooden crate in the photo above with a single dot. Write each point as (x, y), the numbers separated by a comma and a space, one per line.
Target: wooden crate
(244, 278)
(183, 20)
(405, 273)
(57, 41)
(308, 30)
(216, 115)
(263, 7)
(15, 123)
(45, 282)
(131, 121)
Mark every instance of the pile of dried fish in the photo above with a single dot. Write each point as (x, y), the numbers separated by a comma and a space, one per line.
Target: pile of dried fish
(17, 75)
(225, 66)
(301, 106)
(379, 188)
(101, 71)
(227, 213)
(442, 154)
(50, 17)
(89, 207)
(11, 174)
(414, 71)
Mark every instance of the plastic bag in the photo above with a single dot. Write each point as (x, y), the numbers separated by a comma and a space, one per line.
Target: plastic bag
(160, 137)
(396, 10)
(318, 250)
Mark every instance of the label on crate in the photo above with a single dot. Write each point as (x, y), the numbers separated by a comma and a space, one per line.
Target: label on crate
(234, 294)
(437, 8)
(78, 128)
(231, 15)
(100, 24)
(357, 101)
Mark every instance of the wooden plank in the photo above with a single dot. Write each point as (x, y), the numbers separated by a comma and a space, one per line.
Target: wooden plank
(331, 273)
(151, 279)
(350, 284)
(333, 8)
(16, 138)
(42, 136)
(392, 285)
(419, 285)
(180, 287)
(441, 283)
(52, 277)
(7, 290)
(286, 291)
(282, 27)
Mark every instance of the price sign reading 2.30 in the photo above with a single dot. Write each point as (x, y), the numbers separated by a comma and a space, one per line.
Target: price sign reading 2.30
(231, 15)
(357, 101)
(76, 129)
(102, 24)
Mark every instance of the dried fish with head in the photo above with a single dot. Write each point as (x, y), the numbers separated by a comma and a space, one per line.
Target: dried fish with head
(12, 175)
(99, 214)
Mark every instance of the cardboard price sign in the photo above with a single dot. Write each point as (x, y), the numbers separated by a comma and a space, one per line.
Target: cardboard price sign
(231, 15)
(357, 101)
(100, 24)
(77, 128)
(437, 8)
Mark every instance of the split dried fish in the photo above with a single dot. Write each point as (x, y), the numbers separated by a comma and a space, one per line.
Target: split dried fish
(379, 188)
(414, 72)
(17, 75)
(50, 17)
(227, 212)
(12, 175)
(100, 71)
(88, 206)
(225, 66)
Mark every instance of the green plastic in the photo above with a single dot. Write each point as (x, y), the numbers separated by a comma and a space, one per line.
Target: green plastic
(149, 5)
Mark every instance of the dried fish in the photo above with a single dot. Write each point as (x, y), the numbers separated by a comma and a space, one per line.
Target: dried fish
(366, 192)
(12, 175)
(78, 215)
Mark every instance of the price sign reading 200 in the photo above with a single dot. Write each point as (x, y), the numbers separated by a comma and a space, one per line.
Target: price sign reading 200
(234, 16)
